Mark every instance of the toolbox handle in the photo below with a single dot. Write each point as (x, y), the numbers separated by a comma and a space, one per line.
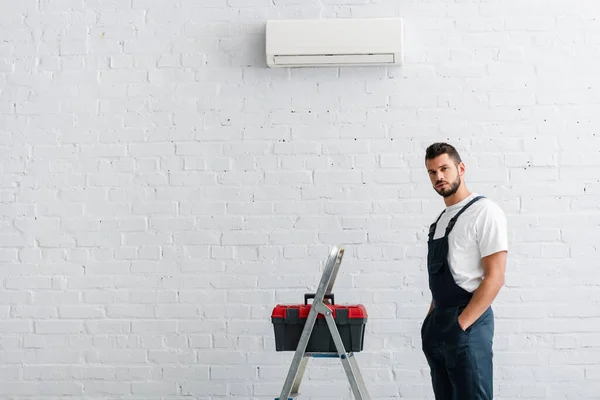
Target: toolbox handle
(312, 296)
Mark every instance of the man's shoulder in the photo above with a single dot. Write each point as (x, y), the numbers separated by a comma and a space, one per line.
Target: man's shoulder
(484, 207)
(488, 206)
(488, 213)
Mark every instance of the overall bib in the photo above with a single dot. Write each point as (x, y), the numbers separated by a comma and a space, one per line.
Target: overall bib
(460, 361)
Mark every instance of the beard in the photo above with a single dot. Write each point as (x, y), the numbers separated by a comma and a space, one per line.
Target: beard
(448, 191)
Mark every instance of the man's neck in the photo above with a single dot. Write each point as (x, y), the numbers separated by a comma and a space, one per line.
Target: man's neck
(461, 194)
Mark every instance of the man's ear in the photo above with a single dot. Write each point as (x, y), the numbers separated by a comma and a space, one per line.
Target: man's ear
(461, 168)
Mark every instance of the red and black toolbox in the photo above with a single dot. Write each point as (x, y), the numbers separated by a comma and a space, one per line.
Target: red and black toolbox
(289, 319)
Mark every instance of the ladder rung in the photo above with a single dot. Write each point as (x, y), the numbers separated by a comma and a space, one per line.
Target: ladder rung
(333, 355)
(327, 355)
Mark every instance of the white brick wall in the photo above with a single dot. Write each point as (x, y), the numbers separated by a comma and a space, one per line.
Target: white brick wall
(162, 190)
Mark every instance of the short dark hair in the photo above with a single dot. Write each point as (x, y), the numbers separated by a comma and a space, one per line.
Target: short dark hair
(437, 149)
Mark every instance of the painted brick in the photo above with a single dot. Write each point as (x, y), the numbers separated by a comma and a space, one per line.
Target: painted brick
(162, 189)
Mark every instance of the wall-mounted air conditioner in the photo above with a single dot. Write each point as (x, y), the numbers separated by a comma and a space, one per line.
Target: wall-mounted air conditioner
(334, 42)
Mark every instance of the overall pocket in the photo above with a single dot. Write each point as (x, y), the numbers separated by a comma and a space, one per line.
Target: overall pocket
(434, 267)
(459, 310)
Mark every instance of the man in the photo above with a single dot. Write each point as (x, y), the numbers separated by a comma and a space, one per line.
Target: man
(466, 260)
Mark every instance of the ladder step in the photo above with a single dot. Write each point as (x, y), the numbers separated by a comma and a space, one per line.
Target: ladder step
(327, 355)
(293, 396)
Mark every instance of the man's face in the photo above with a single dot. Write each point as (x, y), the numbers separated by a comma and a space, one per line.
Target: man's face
(444, 174)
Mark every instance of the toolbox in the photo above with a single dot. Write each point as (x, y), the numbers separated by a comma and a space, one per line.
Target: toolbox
(321, 330)
(289, 320)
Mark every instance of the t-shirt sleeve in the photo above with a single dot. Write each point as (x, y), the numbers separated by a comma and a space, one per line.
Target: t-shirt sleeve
(492, 235)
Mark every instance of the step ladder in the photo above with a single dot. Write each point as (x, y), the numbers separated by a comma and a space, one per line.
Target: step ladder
(301, 357)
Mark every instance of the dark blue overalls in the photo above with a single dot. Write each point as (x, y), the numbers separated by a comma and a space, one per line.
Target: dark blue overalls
(460, 361)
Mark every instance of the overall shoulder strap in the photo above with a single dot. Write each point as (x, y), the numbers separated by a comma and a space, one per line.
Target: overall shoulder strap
(453, 220)
(434, 225)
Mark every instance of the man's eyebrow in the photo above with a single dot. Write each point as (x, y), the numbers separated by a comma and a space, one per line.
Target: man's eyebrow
(441, 166)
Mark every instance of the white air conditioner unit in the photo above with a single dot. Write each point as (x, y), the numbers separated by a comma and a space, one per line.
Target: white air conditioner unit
(334, 42)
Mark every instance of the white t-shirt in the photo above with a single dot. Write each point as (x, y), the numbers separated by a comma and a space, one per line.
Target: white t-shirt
(479, 231)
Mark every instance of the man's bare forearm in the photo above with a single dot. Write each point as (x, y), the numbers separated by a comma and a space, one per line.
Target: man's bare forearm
(494, 266)
(481, 300)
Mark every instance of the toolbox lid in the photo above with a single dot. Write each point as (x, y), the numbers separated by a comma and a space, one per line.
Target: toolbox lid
(280, 310)
(355, 311)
